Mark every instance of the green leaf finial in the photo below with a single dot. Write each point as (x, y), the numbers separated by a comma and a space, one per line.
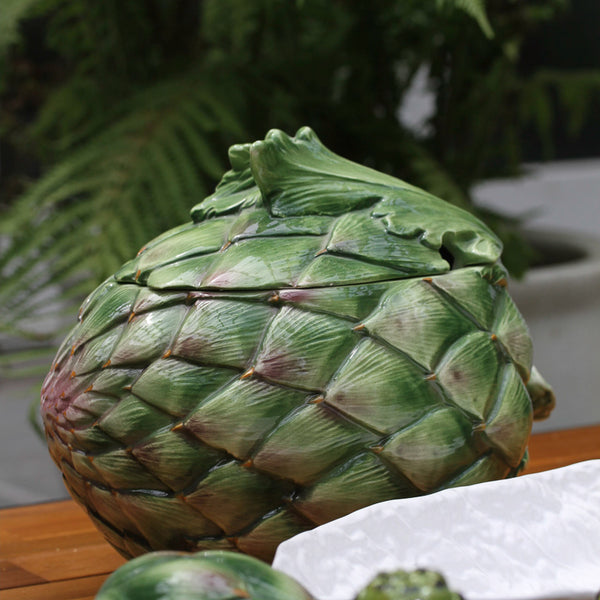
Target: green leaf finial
(299, 176)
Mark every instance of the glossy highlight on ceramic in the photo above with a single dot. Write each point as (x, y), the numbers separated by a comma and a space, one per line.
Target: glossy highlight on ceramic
(320, 337)
(210, 575)
(223, 575)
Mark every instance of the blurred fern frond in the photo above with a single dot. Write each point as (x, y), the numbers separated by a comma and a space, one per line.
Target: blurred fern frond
(474, 8)
(13, 12)
(133, 181)
(548, 90)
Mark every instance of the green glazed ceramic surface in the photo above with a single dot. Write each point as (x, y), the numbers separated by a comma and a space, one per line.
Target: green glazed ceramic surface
(404, 585)
(212, 575)
(320, 337)
(223, 575)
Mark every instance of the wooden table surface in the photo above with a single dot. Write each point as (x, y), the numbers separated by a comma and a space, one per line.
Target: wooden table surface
(53, 552)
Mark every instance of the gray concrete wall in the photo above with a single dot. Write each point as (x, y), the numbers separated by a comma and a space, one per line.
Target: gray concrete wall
(27, 473)
(560, 195)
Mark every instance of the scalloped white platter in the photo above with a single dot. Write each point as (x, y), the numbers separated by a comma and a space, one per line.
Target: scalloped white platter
(530, 538)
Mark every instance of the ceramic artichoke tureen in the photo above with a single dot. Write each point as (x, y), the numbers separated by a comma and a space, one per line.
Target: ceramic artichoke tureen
(319, 337)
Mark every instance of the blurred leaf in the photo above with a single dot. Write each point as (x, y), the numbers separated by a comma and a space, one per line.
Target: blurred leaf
(11, 14)
(476, 9)
(97, 207)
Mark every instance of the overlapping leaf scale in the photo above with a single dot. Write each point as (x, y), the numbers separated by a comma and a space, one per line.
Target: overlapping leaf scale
(184, 522)
(202, 239)
(381, 388)
(131, 420)
(331, 269)
(125, 541)
(262, 539)
(112, 305)
(119, 470)
(469, 372)
(178, 460)
(310, 442)
(488, 467)
(248, 376)
(112, 382)
(262, 263)
(509, 424)
(353, 302)
(302, 349)
(417, 321)
(109, 504)
(201, 338)
(147, 337)
(59, 451)
(259, 222)
(177, 386)
(362, 237)
(97, 351)
(239, 416)
(257, 250)
(235, 497)
(93, 439)
(428, 450)
(353, 484)
(239, 450)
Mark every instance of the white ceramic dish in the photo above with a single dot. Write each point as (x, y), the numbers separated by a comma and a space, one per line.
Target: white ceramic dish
(533, 537)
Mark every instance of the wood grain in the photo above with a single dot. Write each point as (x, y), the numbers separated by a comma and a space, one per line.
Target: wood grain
(561, 448)
(53, 552)
(81, 588)
(47, 543)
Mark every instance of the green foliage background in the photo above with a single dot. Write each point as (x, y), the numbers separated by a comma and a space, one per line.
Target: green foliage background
(116, 118)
